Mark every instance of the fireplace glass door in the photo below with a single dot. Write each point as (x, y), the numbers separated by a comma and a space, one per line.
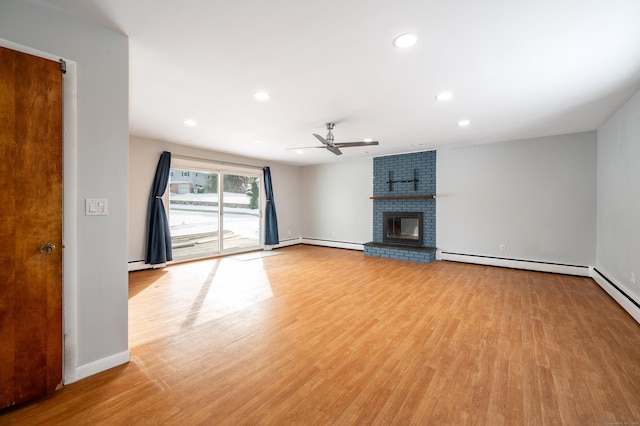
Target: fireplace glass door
(402, 227)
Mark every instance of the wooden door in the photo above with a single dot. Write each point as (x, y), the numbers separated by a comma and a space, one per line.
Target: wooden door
(30, 218)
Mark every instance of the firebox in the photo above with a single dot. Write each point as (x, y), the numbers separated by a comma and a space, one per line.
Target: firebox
(402, 228)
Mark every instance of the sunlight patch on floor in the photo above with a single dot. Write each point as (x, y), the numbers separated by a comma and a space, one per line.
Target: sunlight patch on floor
(230, 290)
(194, 293)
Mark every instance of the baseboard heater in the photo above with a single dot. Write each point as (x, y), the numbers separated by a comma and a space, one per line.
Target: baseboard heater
(623, 299)
(531, 265)
(138, 265)
(288, 242)
(333, 244)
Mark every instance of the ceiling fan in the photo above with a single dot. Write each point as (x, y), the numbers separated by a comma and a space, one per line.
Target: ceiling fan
(334, 147)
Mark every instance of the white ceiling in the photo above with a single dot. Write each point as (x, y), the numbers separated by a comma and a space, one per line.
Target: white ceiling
(517, 69)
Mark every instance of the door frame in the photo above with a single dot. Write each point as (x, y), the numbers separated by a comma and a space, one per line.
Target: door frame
(69, 210)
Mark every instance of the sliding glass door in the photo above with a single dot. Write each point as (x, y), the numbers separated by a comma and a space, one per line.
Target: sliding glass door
(213, 212)
(241, 212)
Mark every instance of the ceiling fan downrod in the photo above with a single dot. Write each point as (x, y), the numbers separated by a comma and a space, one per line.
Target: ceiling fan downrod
(330, 134)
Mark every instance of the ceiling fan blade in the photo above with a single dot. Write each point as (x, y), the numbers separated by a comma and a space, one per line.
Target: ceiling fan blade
(334, 149)
(348, 144)
(321, 139)
(308, 147)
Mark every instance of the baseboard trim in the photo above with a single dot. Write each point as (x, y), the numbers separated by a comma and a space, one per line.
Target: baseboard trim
(100, 365)
(333, 244)
(530, 265)
(623, 299)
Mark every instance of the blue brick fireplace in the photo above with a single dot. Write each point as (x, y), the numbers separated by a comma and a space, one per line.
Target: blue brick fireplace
(404, 183)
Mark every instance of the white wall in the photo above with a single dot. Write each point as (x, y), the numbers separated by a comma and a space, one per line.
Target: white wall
(536, 196)
(618, 235)
(336, 204)
(96, 151)
(143, 159)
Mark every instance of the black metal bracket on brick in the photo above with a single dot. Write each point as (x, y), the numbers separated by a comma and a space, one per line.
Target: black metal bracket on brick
(414, 180)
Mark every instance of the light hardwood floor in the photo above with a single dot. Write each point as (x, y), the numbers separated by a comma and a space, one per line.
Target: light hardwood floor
(328, 336)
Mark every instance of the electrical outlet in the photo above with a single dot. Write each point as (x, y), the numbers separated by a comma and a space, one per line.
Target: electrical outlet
(289, 234)
(633, 278)
(503, 247)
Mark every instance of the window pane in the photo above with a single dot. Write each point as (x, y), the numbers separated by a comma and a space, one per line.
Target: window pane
(241, 206)
(193, 213)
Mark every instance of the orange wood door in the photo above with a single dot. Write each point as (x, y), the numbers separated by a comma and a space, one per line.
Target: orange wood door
(30, 217)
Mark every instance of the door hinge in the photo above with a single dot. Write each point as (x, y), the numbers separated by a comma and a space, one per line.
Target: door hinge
(63, 66)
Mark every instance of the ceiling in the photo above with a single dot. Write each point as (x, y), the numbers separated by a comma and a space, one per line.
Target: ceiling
(517, 69)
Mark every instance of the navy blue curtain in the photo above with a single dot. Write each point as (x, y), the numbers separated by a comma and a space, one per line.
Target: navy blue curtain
(158, 233)
(270, 218)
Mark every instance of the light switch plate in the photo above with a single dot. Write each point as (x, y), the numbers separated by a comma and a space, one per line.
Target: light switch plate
(96, 207)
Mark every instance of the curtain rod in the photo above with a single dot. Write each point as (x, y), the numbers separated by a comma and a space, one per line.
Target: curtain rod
(222, 163)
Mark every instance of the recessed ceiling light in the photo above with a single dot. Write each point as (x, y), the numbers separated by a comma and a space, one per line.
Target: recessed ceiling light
(464, 123)
(368, 140)
(299, 151)
(444, 96)
(257, 141)
(261, 96)
(405, 40)
(190, 122)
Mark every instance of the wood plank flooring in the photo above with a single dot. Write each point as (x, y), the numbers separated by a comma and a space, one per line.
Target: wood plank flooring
(331, 337)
